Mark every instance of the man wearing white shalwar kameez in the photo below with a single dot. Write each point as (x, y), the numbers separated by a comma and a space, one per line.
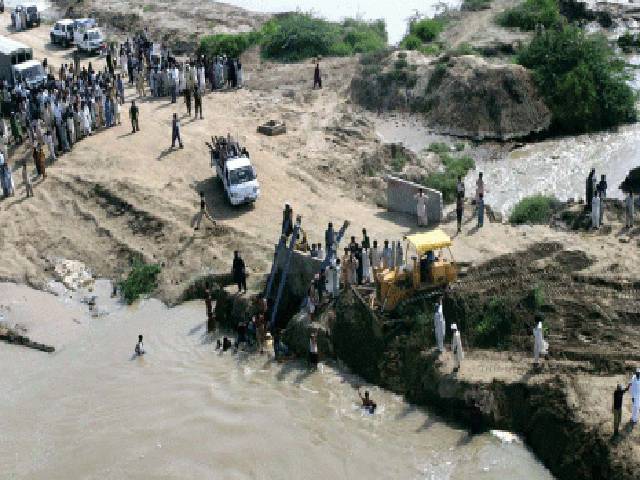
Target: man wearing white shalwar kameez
(439, 326)
(367, 276)
(595, 212)
(456, 348)
(421, 208)
(634, 388)
(375, 256)
(540, 346)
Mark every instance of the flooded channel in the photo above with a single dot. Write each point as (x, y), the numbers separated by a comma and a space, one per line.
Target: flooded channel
(184, 410)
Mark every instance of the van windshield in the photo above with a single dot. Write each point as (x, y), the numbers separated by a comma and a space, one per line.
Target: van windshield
(31, 73)
(92, 36)
(241, 175)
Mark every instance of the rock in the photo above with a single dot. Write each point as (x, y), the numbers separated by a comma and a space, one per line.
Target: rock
(624, 239)
(73, 274)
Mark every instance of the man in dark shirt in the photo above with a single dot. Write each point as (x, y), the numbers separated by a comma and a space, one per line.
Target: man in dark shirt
(617, 407)
(133, 115)
(238, 272)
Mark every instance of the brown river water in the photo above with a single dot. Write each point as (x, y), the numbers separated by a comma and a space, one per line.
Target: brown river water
(92, 410)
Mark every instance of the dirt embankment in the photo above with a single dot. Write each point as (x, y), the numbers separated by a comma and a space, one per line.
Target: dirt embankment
(179, 24)
(562, 409)
(464, 96)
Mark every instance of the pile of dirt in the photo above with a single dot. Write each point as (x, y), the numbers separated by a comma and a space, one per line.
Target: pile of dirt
(464, 96)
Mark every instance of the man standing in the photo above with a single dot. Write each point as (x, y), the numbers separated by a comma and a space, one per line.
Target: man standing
(540, 346)
(187, 99)
(421, 208)
(629, 209)
(197, 98)
(317, 78)
(26, 180)
(634, 386)
(595, 211)
(480, 207)
(238, 272)
(456, 348)
(202, 213)
(175, 132)
(459, 211)
(133, 115)
(439, 325)
(211, 324)
(589, 187)
(618, 394)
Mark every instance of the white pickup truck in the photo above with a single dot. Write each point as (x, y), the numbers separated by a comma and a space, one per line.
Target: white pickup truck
(235, 171)
(89, 40)
(62, 32)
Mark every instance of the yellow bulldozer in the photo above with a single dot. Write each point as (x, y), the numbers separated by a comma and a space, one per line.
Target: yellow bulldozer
(427, 271)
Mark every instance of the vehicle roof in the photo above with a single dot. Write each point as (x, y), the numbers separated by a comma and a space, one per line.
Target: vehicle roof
(238, 162)
(27, 64)
(65, 21)
(9, 46)
(423, 242)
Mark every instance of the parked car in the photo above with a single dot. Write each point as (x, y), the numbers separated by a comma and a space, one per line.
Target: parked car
(90, 40)
(62, 32)
(33, 16)
(17, 64)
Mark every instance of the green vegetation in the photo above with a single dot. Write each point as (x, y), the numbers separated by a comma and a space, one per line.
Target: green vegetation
(533, 210)
(447, 181)
(142, 280)
(628, 42)
(531, 13)
(438, 147)
(475, 5)
(494, 326)
(296, 36)
(582, 80)
(462, 49)
(149, 7)
(398, 161)
(422, 34)
(632, 182)
(226, 44)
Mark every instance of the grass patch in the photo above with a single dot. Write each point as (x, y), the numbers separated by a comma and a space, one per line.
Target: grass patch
(422, 33)
(494, 326)
(297, 36)
(398, 161)
(438, 147)
(533, 210)
(475, 5)
(582, 79)
(142, 280)
(149, 7)
(531, 13)
(447, 180)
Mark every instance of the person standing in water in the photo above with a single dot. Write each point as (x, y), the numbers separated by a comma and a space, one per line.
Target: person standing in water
(139, 346)
(367, 403)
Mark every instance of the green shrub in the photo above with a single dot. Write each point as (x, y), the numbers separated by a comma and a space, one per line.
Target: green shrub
(142, 280)
(462, 49)
(627, 42)
(430, 49)
(398, 162)
(297, 36)
(411, 42)
(475, 5)
(447, 180)
(583, 81)
(494, 326)
(226, 44)
(533, 210)
(438, 147)
(427, 29)
(531, 13)
(460, 146)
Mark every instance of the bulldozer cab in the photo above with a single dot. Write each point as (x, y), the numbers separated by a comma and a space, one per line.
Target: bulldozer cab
(429, 269)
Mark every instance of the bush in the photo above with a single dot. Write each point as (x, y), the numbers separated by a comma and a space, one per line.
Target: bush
(494, 326)
(411, 42)
(447, 181)
(533, 210)
(475, 5)
(427, 29)
(142, 280)
(531, 13)
(430, 49)
(226, 44)
(438, 147)
(294, 37)
(583, 81)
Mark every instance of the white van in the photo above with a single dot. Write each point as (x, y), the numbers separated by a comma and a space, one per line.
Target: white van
(62, 32)
(90, 40)
(234, 169)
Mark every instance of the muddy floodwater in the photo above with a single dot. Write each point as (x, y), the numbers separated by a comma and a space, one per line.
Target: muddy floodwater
(557, 167)
(92, 410)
